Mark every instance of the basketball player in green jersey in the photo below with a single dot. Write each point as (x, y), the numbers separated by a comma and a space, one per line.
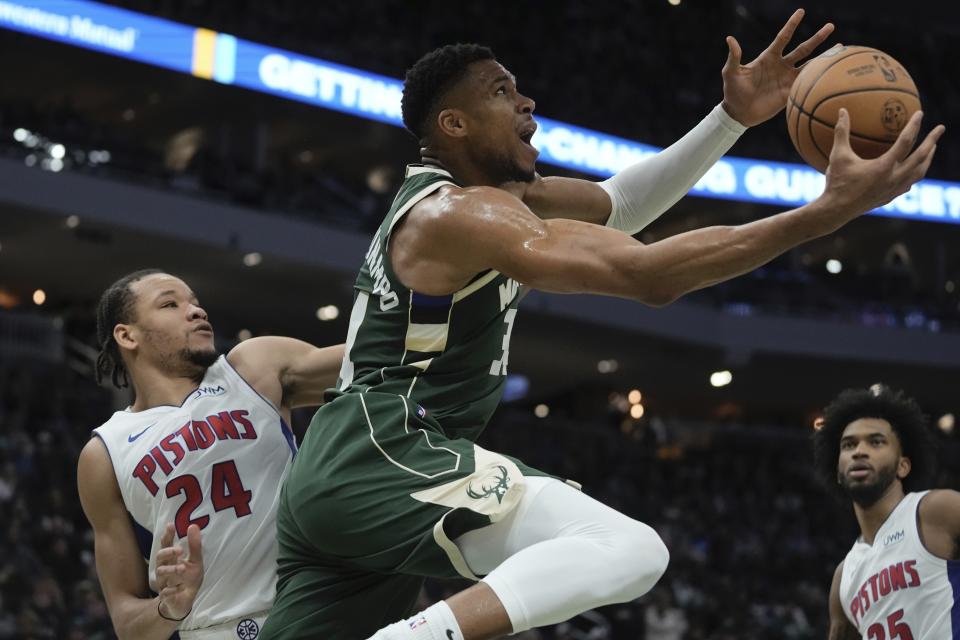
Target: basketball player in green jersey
(389, 487)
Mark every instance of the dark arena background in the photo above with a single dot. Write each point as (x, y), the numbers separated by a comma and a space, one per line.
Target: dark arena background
(255, 157)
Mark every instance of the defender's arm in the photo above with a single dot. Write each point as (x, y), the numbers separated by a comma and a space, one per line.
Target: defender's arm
(120, 567)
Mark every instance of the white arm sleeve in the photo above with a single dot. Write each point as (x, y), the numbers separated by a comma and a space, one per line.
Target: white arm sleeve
(644, 190)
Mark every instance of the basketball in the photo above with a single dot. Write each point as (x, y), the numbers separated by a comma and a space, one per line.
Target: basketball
(872, 86)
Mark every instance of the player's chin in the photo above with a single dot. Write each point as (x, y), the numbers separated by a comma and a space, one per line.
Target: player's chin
(525, 170)
(203, 356)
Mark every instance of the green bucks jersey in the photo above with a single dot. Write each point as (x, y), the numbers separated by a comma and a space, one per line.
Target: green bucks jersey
(448, 354)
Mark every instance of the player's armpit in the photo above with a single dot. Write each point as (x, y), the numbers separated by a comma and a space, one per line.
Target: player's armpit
(120, 566)
(570, 198)
(840, 627)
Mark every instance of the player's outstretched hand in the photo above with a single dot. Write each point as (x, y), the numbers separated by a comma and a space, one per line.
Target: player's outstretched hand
(755, 92)
(855, 185)
(179, 578)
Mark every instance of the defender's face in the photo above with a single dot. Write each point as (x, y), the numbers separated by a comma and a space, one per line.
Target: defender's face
(870, 460)
(500, 122)
(171, 328)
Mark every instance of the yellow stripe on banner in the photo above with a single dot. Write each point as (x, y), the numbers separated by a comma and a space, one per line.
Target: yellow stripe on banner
(204, 51)
(426, 337)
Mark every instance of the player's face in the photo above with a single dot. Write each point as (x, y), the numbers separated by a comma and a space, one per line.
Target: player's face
(870, 460)
(499, 122)
(171, 329)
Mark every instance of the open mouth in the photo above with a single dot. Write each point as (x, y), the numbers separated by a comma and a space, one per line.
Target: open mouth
(204, 328)
(527, 131)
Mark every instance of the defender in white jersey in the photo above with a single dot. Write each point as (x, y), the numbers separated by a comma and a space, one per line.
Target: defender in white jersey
(901, 579)
(205, 446)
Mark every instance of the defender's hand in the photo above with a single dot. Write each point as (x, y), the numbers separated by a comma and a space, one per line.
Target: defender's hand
(755, 92)
(179, 579)
(855, 186)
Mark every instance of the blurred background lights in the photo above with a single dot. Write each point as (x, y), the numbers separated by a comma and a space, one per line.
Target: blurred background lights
(328, 312)
(721, 378)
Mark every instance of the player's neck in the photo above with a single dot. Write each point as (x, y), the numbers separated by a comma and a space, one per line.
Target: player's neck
(872, 518)
(155, 388)
(465, 172)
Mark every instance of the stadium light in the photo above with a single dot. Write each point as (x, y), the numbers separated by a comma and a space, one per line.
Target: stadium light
(634, 396)
(636, 411)
(721, 378)
(541, 411)
(834, 266)
(39, 297)
(328, 312)
(607, 366)
(946, 423)
(252, 259)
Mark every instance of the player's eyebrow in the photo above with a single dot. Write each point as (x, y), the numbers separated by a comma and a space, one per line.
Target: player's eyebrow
(504, 77)
(865, 436)
(168, 292)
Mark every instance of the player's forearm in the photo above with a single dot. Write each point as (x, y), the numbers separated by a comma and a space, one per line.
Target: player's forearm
(139, 619)
(686, 262)
(643, 191)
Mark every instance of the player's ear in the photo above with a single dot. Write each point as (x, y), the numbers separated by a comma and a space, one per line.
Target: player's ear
(903, 467)
(451, 122)
(124, 335)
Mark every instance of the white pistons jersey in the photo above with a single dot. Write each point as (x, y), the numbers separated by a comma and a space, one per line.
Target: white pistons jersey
(895, 589)
(218, 461)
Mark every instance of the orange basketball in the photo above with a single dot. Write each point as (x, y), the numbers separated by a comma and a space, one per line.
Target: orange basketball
(874, 88)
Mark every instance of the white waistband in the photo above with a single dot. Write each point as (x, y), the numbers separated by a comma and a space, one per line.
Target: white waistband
(242, 628)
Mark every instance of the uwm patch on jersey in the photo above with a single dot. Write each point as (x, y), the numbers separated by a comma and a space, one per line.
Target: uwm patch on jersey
(895, 589)
(217, 461)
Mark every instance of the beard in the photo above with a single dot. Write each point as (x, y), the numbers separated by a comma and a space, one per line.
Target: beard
(505, 169)
(864, 494)
(202, 359)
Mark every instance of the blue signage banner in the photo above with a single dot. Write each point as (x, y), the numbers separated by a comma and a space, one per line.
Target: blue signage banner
(223, 58)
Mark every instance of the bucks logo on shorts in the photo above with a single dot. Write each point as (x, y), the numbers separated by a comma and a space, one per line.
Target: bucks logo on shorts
(494, 484)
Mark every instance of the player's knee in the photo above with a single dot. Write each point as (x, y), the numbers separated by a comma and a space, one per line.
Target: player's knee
(641, 560)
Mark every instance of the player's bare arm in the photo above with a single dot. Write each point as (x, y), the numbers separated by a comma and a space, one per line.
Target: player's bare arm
(290, 373)
(752, 93)
(450, 237)
(120, 567)
(840, 627)
(940, 523)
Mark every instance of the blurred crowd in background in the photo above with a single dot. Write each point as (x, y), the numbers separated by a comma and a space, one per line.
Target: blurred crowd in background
(753, 539)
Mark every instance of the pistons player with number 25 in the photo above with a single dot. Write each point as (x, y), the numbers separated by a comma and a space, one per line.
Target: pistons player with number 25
(901, 578)
(205, 446)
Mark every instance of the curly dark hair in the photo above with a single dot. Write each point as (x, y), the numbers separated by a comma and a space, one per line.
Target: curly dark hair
(431, 77)
(116, 307)
(879, 401)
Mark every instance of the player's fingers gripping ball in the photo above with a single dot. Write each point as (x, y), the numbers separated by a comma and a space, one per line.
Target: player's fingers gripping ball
(875, 89)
